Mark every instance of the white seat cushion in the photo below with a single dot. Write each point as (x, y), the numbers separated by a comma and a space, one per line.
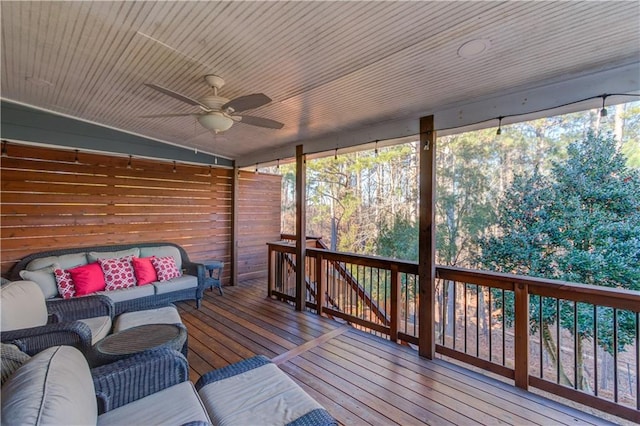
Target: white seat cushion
(166, 315)
(180, 283)
(263, 395)
(53, 388)
(176, 405)
(100, 327)
(23, 306)
(129, 293)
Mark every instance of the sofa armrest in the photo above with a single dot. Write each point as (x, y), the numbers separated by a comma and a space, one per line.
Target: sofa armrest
(81, 307)
(36, 339)
(130, 379)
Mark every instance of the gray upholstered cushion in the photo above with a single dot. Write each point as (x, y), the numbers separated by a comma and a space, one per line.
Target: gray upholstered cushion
(162, 251)
(176, 405)
(23, 306)
(165, 315)
(44, 278)
(129, 293)
(180, 283)
(93, 256)
(66, 261)
(54, 387)
(11, 358)
(100, 327)
(263, 395)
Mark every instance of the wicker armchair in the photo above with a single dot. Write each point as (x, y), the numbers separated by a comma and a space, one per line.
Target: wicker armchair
(27, 323)
(80, 322)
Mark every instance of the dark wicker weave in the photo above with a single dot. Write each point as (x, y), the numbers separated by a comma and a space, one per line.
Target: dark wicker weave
(36, 339)
(141, 375)
(191, 268)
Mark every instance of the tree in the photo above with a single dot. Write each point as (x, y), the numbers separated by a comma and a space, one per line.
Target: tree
(580, 223)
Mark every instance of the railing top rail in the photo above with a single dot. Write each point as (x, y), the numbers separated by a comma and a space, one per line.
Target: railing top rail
(599, 295)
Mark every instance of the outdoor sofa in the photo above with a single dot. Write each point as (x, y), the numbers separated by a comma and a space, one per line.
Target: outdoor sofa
(39, 268)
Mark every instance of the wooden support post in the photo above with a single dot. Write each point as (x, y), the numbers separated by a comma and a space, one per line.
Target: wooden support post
(427, 236)
(234, 226)
(320, 284)
(270, 269)
(395, 303)
(301, 228)
(521, 330)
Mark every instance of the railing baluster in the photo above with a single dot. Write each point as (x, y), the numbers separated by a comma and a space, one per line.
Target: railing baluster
(575, 345)
(465, 317)
(540, 335)
(595, 349)
(477, 320)
(395, 300)
(558, 344)
(443, 306)
(504, 334)
(455, 303)
(490, 326)
(521, 331)
(615, 355)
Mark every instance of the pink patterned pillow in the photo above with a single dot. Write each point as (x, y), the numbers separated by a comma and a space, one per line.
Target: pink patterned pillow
(165, 268)
(118, 273)
(66, 287)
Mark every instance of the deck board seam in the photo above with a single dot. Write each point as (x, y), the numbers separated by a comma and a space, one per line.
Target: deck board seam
(284, 357)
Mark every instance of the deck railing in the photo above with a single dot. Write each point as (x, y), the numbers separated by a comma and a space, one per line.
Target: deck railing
(576, 341)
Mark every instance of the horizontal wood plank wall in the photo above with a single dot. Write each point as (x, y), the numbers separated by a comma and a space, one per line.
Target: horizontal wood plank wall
(50, 200)
(258, 221)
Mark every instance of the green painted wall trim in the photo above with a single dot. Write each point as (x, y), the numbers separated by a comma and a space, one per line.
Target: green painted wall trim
(22, 123)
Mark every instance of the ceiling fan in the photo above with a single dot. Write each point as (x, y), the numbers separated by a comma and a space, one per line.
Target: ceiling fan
(218, 113)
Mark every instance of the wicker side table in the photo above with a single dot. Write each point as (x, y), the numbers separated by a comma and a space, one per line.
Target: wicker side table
(213, 276)
(139, 339)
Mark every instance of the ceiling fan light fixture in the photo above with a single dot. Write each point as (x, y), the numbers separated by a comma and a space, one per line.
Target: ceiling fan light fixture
(215, 121)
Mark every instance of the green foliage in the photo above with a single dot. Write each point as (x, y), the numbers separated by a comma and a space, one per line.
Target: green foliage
(399, 240)
(582, 224)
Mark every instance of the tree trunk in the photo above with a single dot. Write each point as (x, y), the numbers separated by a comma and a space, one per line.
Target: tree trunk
(552, 350)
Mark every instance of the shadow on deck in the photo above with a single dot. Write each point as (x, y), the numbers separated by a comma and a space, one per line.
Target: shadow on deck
(359, 378)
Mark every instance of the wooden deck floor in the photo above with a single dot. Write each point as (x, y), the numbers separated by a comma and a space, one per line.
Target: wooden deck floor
(359, 378)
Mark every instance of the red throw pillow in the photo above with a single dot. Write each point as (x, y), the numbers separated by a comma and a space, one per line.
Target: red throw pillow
(66, 287)
(165, 268)
(144, 270)
(88, 279)
(118, 273)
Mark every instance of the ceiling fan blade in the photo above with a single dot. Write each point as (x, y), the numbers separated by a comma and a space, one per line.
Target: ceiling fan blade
(175, 95)
(261, 122)
(164, 115)
(246, 102)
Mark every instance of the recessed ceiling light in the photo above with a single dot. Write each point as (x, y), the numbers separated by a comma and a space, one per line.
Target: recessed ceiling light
(473, 48)
(37, 81)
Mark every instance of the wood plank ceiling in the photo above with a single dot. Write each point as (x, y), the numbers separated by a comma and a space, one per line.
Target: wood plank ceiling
(328, 66)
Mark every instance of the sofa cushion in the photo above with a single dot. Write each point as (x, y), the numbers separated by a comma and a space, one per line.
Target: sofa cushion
(66, 261)
(23, 306)
(87, 279)
(176, 405)
(162, 251)
(164, 315)
(165, 267)
(11, 358)
(181, 283)
(44, 278)
(100, 327)
(54, 387)
(64, 282)
(93, 256)
(118, 273)
(144, 270)
(129, 293)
